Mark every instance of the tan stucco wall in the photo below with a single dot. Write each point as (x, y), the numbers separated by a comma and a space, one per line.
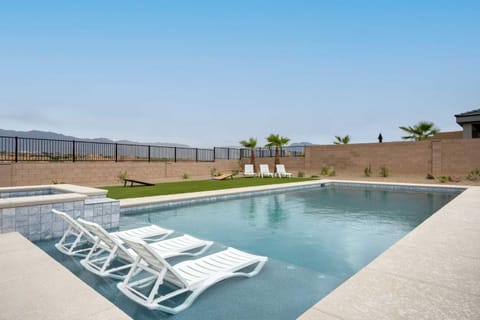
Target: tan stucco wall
(102, 173)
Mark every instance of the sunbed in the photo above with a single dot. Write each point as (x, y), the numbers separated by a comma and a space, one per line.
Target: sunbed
(249, 170)
(265, 171)
(116, 258)
(78, 241)
(191, 276)
(281, 172)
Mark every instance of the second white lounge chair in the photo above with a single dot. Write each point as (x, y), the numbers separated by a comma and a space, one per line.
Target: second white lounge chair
(191, 276)
(249, 171)
(281, 172)
(112, 248)
(78, 241)
(265, 171)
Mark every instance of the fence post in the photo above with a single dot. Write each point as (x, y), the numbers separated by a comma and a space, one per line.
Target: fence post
(116, 152)
(174, 154)
(148, 153)
(214, 154)
(228, 153)
(73, 150)
(16, 149)
(196, 154)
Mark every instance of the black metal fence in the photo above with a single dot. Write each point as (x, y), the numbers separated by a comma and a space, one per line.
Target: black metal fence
(33, 149)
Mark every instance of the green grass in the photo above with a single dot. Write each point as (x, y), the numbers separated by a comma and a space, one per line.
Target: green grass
(121, 192)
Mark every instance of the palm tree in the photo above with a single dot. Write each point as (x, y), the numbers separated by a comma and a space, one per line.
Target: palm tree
(250, 143)
(420, 131)
(275, 140)
(342, 140)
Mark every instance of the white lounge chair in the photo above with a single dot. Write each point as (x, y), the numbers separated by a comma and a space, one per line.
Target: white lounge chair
(194, 276)
(265, 171)
(82, 240)
(249, 171)
(281, 172)
(113, 249)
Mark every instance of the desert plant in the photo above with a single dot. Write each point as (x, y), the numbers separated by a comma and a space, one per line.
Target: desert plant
(332, 172)
(185, 176)
(250, 143)
(121, 176)
(368, 171)
(213, 172)
(235, 172)
(301, 174)
(474, 175)
(342, 140)
(420, 131)
(324, 170)
(383, 171)
(430, 176)
(442, 179)
(275, 140)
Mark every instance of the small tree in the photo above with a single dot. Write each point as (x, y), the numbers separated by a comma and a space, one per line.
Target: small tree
(250, 143)
(342, 140)
(275, 140)
(420, 131)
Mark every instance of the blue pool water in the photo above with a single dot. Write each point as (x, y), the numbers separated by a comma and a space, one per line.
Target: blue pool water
(315, 239)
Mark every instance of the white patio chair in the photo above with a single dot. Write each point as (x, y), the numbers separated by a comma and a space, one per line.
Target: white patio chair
(265, 171)
(281, 172)
(83, 240)
(194, 276)
(114, 250)
(249, 171)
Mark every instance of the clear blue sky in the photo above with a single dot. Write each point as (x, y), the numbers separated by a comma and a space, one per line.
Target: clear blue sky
(211, 73)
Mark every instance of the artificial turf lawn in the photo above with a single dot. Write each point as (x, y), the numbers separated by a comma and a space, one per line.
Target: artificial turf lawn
(121, 192)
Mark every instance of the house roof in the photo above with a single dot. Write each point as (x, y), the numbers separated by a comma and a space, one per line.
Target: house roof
(469, 113)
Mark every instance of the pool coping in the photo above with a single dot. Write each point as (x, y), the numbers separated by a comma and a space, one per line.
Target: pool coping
(431, 273)
(137, 204)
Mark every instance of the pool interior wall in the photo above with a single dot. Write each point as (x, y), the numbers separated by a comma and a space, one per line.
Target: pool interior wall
(315, 239)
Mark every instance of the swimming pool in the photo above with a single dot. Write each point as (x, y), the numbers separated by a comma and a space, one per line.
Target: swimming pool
(315, 238)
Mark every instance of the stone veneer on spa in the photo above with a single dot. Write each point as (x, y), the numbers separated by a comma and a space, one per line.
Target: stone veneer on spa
(28, 210)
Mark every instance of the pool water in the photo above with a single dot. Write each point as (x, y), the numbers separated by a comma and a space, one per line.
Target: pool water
(315, 239)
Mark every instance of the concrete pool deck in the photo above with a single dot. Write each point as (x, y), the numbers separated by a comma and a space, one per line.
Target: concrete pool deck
(431, 273)
(34, 286)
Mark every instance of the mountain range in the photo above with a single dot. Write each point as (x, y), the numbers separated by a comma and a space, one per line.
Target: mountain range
(37, 134)
(58, 136)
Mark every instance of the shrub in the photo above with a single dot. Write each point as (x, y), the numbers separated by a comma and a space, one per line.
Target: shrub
(122, 176)
(332, 172)
(324, 170)
(383, 171)
(301, 174)
(314, 176)
(185, 176)
(474, 175)
(430, 176)
(235, 172)
(442, 179)
(213, 172)
(368, 171)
